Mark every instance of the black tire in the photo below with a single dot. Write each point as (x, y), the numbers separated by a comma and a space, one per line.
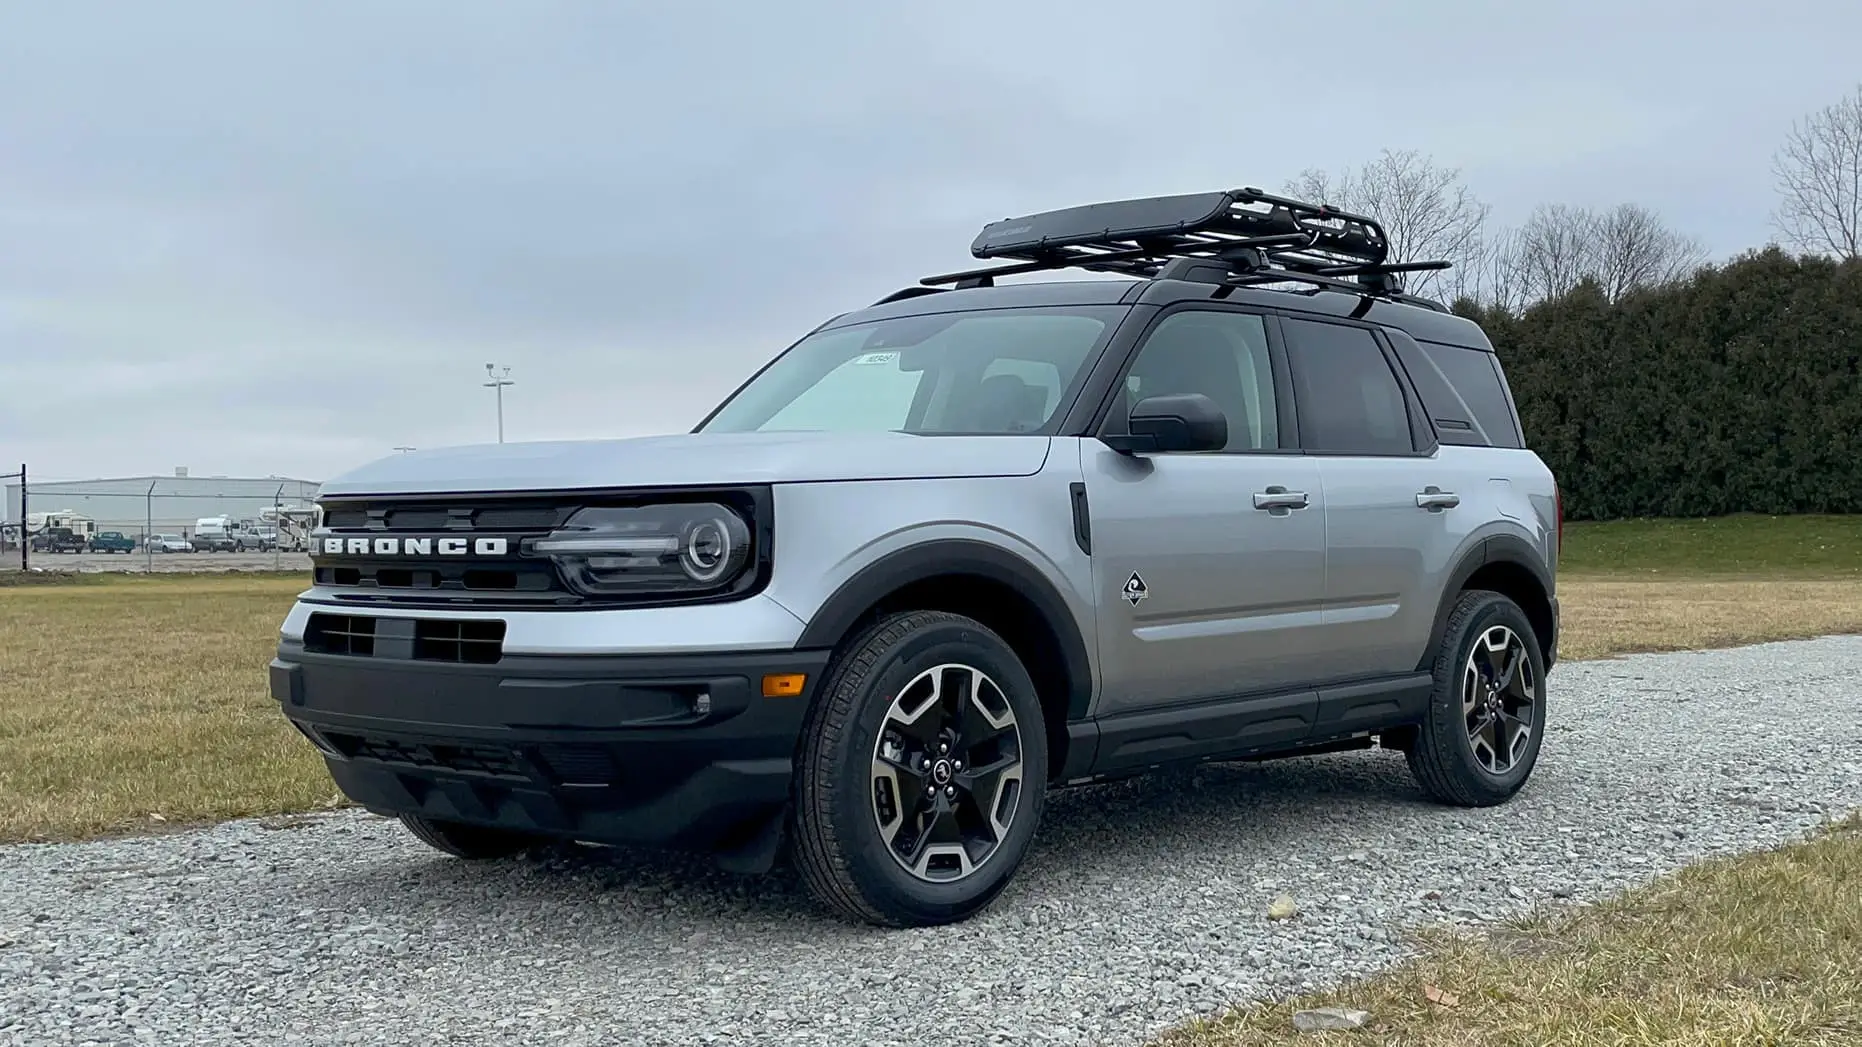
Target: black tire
(1441, 754)
(473, 842)
(837, 844)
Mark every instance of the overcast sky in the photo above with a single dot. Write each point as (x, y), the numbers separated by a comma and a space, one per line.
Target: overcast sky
(258, 238)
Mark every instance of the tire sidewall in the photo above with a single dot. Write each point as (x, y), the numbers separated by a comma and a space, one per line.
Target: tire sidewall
(1491, 610)
(872, 866)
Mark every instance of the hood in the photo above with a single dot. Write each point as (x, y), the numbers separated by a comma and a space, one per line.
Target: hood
(692, 459)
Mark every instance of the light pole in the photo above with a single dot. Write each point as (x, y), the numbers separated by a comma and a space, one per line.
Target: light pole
(498, 382)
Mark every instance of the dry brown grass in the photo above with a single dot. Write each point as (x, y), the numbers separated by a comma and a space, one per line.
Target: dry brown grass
(1759, 950)
(1603, 616)
(128, 700)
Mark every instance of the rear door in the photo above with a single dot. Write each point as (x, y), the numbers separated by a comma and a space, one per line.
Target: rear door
(1392, 504)
(1209, 567)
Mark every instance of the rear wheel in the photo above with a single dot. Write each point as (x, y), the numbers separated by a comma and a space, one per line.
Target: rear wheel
(921, 775)
(475, 842)
(1480, 740)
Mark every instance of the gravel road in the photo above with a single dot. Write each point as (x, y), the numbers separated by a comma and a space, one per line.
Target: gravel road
(1145, 902)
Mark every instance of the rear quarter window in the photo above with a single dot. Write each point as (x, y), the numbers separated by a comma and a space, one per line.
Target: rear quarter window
(1463, 391)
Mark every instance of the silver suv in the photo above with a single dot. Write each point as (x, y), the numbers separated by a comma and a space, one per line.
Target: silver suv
(1242, 497)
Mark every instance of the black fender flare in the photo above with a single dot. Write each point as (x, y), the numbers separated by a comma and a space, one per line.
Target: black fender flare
(1499, 548)
(837, 615)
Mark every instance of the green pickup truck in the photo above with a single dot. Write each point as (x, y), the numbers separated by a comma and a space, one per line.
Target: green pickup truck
(111, 542)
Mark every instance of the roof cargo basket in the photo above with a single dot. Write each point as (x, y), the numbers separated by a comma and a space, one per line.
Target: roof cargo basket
(1250, 236)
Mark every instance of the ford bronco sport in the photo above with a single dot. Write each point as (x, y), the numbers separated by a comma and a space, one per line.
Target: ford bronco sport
(1243, 497)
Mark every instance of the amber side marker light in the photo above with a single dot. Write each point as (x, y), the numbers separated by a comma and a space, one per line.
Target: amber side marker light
(783, 685)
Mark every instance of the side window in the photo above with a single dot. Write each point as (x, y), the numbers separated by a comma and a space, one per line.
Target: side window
(1454, 420)
(1349, 399)
(1222, 355)
(1476, 376)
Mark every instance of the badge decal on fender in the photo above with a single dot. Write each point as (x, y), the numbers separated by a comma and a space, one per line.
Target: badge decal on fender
(1134, 589)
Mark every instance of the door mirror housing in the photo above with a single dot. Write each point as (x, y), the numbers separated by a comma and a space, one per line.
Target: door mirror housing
(1177, 422)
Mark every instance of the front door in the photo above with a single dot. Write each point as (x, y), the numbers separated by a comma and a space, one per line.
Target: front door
(1209, 566)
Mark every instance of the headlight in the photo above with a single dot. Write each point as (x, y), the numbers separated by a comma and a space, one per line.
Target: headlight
(686, 548)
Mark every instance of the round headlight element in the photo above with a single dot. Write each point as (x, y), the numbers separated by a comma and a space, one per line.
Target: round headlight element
(668, 548)
(707, 550)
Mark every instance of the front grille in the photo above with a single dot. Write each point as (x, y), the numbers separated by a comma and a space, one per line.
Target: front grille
(449, 516)
(466, 641)
(516, 578)
(508, 580)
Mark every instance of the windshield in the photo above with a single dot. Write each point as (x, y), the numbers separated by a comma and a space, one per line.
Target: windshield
(994, 371)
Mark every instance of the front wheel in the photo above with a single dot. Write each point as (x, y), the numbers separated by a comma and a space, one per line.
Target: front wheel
(1480, 739)
(921, 774)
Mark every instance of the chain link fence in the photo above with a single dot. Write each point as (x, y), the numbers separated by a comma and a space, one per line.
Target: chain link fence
(155, 523)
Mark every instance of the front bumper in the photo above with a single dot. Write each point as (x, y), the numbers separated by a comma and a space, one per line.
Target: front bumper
(608, 749)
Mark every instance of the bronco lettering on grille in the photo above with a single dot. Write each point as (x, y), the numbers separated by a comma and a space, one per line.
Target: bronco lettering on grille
(449, 546)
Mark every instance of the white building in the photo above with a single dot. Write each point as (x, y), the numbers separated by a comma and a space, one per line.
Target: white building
(136, 505)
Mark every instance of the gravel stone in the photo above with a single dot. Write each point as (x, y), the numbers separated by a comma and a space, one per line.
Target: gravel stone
(1144, 902)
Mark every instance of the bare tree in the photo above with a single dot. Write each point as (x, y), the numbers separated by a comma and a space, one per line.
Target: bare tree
(1490, 274)
(1624, 249)
(1634, 249)
(1425, 209)
(1819, 178)
(1554, 250)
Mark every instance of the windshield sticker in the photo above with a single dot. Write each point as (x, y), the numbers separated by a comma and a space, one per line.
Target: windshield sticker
(877, 358)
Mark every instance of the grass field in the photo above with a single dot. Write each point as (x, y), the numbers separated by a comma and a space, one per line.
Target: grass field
(133, 701)
(1725, 547)
(127, 701)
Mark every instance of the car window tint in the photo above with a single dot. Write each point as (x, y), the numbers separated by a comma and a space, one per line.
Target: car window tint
(1222, 355)
(1476, 376)
(1348, 398)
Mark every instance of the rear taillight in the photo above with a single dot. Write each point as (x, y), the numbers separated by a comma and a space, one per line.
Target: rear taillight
(1558, 510)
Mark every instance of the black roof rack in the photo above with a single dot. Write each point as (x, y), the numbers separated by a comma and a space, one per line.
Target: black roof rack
(1238, 236)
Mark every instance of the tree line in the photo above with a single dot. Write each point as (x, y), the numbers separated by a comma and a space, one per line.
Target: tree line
(1653, 381)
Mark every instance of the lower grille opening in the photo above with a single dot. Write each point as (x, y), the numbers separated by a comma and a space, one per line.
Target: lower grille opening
(578, 765)
(464, 641)
(494, 760)
(340, 634)
(474, 642)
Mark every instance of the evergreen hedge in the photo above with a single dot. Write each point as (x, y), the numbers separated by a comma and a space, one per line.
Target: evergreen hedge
(1736, 391)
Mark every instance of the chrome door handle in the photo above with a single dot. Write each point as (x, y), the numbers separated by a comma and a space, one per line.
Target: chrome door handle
(1435, 499)
(1278, 497)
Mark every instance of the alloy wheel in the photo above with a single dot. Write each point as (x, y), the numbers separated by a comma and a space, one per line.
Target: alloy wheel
(1498, 695)
(947, 773)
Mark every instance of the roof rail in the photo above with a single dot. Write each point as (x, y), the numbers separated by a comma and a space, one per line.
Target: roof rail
(1252, 237)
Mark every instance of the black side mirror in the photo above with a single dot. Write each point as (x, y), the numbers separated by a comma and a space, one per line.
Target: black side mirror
(1177, 422)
